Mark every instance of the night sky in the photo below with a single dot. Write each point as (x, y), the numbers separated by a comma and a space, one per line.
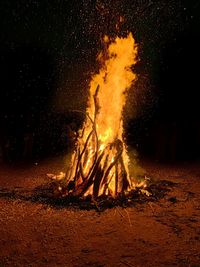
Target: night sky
(48, 51)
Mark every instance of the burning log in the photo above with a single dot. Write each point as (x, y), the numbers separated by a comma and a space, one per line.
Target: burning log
(99, 164)
(99, 174)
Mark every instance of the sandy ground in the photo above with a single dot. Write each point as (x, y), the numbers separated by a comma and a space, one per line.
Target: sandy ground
(162, 233)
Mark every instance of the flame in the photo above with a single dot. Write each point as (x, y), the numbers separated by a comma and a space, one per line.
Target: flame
(100, 163)
(114, 79)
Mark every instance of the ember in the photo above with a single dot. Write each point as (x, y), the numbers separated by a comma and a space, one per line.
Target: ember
(100, 163)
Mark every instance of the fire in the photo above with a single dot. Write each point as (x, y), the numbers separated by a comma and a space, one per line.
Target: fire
(99, 165)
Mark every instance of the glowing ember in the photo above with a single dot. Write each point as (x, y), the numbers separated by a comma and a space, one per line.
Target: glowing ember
(99, 165)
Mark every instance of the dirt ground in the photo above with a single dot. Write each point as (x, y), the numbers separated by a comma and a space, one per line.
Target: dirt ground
(161, 233)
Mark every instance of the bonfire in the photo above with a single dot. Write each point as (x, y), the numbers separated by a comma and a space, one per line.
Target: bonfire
(100, 163)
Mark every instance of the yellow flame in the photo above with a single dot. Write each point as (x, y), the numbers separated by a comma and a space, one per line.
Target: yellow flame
(113, 81)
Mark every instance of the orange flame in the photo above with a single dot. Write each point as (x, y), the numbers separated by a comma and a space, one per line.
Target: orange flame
(114, 79)
(108, 89)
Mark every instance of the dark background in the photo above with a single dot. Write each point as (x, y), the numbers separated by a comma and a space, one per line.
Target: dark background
(48, 51)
